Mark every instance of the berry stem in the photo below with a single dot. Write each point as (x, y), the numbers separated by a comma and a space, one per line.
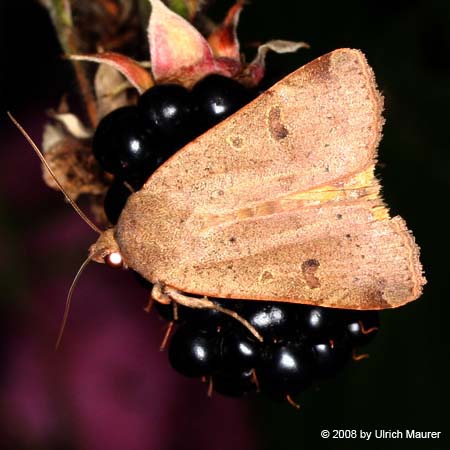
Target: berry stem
(61, 15)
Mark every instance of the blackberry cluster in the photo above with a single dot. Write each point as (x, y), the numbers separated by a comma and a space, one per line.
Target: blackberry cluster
(133, 141)
(301, 343)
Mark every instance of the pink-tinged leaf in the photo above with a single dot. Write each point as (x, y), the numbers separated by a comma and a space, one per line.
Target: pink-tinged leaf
(139, 77)
(223, 40)
(254, 72)
(178, 52)
(228, 67)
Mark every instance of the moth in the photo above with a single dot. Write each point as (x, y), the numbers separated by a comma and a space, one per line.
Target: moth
(279, 202)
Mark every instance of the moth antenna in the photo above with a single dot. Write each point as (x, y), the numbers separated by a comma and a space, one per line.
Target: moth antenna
(69, 300)
(41, 157)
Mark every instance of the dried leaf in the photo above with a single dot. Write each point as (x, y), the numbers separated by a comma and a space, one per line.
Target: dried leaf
(52, 135)
(73, 164)
(73, 125)
(109, 90)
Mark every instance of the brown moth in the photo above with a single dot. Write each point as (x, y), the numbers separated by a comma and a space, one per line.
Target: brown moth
(279, 202)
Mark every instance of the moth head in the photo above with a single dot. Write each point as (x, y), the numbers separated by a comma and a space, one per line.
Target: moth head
(106, 250)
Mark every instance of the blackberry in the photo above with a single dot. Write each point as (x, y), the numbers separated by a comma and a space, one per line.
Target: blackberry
(235, 384)
(123, 143)
(193, 352)
(330, 356)
(239, 351)
(285, 368)
(215, 97)
(318, 321)
(168, 108)
(301, 343)
(271, 319)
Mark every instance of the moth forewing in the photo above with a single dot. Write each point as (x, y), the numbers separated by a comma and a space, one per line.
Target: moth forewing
(279, 202)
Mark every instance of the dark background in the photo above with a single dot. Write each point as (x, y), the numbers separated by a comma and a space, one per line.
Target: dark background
(404, 383)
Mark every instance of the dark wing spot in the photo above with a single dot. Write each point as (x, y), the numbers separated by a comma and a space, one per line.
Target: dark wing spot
(277, 130)
(309, 269)
(376, 300)
(266, 276)
(237, 142)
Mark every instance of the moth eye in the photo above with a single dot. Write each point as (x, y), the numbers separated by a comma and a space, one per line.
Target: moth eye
(114, 259)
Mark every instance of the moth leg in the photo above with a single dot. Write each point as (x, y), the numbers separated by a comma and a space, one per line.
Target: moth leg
(201, 303)
(149, 305)
(158, 294)
(167, 334)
